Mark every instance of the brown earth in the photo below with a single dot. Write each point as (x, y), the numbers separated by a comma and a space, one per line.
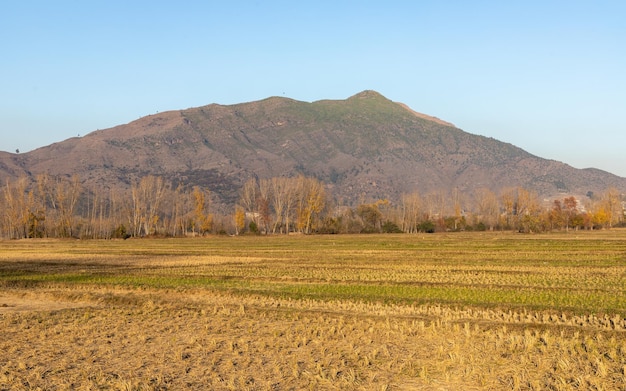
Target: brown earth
(128, 339)
(29, 302)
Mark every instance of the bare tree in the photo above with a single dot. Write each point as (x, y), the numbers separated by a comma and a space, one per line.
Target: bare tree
(436, 206)
(411, 211)
(264, 195)
(280, 193)
(457, 205)
(487, 206)
(147, 196)
(180, 201)
(508, 198)
(249, 197)
(66, 194)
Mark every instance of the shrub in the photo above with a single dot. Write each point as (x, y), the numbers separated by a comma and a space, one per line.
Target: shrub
(254, 228)
(120, 232)
(390, 227)
(427, 227)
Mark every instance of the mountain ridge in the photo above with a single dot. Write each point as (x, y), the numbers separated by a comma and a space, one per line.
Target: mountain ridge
(364, 147)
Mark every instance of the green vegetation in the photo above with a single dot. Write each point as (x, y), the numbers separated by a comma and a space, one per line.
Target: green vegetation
(561, 273)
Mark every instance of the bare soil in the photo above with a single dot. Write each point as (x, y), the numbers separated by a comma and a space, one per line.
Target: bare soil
(29, 302)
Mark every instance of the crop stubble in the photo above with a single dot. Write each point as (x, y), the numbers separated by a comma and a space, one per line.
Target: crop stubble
(471, 311)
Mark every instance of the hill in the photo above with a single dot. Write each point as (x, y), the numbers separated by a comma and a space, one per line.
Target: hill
(365, 147)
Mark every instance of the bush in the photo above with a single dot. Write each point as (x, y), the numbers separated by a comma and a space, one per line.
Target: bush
(427, 227)
(120, 232)
(254, 228)
(391, 228)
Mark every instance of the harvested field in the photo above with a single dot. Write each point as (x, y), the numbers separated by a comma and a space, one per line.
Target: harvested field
(379, 312)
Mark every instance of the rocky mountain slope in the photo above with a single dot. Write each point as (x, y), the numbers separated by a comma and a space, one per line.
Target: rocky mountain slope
(365, 147)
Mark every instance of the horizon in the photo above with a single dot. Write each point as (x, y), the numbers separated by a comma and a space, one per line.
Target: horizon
(547, 78)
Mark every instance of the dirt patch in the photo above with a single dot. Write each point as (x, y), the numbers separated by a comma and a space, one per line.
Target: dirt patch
(17, 303)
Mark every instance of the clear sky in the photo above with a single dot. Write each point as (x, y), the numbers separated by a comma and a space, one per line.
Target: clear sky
(547, 76)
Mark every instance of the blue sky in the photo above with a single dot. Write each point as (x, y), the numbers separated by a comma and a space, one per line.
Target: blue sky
(547, 76)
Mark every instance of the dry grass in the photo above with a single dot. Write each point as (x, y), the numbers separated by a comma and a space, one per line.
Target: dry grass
(94, 315)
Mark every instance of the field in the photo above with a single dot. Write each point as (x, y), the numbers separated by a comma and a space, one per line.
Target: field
(471, 311)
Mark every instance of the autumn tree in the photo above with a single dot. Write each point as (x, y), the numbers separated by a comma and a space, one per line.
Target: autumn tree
(371, 218)
(570, 209)
(612, 204)
(23, 209)
(371, 215)
(240, 219)
(527, 211)
(607, 210)
(17, 209)
(601, 218)
(203, 218)
(311, 198)
(556, 215)
(508, 201)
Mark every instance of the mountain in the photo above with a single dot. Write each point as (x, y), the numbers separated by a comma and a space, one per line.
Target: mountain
(365, 147)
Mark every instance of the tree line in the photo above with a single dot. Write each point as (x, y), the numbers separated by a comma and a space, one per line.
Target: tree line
(61, 207)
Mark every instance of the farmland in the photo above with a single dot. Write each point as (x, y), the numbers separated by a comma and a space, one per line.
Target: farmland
(371, 312)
